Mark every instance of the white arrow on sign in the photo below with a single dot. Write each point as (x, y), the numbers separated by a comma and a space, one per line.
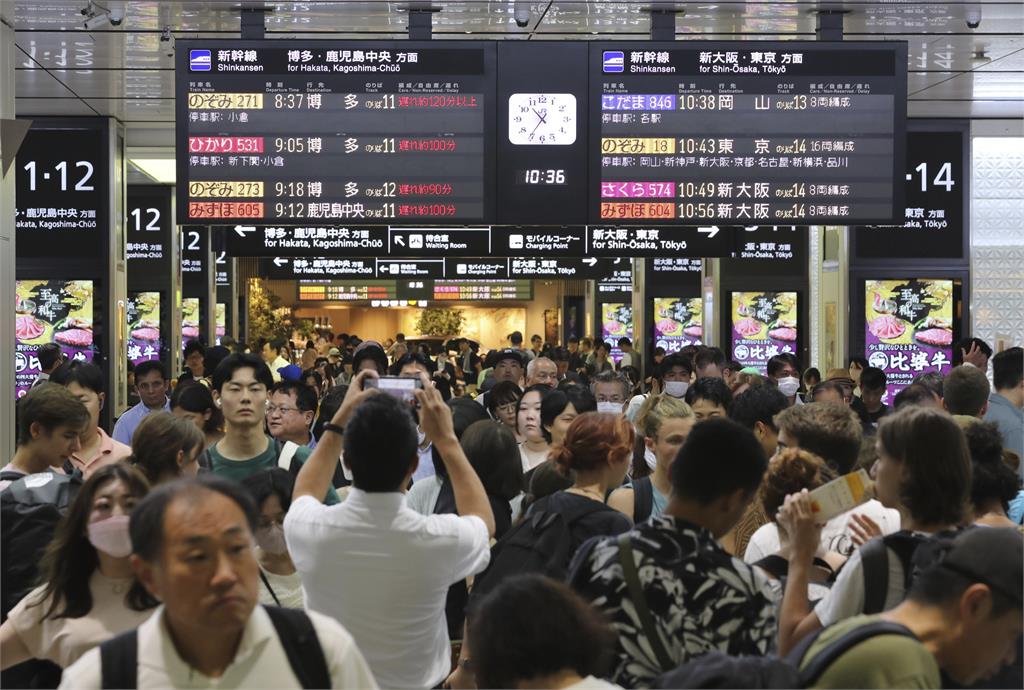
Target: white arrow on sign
(243, 230)
(279, 262)
(710, 230)
(399, 241)
(591, 261)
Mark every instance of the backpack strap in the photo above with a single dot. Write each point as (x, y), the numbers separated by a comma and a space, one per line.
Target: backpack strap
(119, 661)
(643, 499)
(874, 561)
(836, 648)
(11, 476)
(775, 565)
(636, 595)
(266, 583)
(301, 645)
(285, 453)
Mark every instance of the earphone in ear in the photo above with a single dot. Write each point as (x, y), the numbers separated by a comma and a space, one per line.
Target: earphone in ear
(218, 403)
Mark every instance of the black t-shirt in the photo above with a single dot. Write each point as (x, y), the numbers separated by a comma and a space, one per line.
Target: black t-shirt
(868, 420)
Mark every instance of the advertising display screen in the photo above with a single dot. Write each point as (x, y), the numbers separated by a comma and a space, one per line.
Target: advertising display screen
(908, 329)
(678, 322)
(743, 133)
(616, 322)
(143, 326)
(328, 131)
(51, 311)
(221, 320)
(764, 324)
(190, 319)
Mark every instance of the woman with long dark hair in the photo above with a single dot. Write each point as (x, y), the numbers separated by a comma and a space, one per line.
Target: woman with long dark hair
(86, 577)
(166, 447)
(194, 402)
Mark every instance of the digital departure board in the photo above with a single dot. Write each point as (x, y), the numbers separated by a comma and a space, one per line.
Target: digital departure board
(480, 290)
(335, 131)
(746, 133)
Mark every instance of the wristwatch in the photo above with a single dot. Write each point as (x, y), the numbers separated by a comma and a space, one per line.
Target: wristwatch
(339, 430)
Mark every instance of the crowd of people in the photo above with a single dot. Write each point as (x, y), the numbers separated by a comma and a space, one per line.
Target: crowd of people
(539, 517)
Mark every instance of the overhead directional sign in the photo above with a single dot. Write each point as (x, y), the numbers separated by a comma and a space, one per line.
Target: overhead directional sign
(501, 268)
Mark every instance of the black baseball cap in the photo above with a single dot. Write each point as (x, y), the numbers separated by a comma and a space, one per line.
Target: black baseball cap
(992, 556)
(509, 353)
(370, 349)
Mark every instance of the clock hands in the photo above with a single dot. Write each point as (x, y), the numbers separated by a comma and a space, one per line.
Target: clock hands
(541, 121)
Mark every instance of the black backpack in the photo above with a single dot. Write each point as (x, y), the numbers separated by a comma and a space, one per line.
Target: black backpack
(120, 656)
(540, 543)
(875, 562)
(30, 509)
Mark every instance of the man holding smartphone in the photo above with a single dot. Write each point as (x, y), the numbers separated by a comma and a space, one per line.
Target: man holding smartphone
(372, 563)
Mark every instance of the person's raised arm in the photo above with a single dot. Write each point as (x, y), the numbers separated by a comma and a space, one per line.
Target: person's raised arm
(315, 476)
(12, 648)
(796, 620)
(436, 422)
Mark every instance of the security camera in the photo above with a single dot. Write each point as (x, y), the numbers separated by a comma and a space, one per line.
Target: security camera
(522, 14)
(973, 16)
(96, 21)
(116, 10)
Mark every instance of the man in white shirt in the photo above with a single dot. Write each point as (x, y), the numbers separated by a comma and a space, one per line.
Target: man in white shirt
(192, 544)
(273, 355)
(376, 566)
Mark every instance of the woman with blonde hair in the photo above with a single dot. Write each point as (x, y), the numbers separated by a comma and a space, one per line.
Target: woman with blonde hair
(664, 422)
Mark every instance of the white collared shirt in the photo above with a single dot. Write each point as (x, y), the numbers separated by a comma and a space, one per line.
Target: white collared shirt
(260, 661)
(383, 571)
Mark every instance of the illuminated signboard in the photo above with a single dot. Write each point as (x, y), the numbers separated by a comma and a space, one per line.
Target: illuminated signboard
(51, 311)
(764, 324)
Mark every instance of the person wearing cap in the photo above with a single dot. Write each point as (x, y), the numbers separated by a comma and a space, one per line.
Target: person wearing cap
(290, 372)
(842, 377)
(369, 354)
(508, 366)
(962, 616)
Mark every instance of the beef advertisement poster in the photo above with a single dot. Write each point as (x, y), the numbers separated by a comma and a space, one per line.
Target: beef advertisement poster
(908, 329)
(143, 326)
(764, 324)
(678, 322)
(51, 311)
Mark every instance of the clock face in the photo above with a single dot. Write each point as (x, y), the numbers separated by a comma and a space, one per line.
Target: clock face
(542, 119)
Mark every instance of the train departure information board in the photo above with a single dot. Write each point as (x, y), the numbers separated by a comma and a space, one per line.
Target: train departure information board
(746, 133)
(325, 131)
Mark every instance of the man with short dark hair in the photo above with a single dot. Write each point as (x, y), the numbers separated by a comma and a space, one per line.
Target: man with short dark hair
(965, 391)
(152, 385)
(195, 353)
(51, 421)
(536, 345)
(1006, 404)
(961, 617)
(699, 596)
(290, 412)
(710, 361)
(240, 389)
(50, 358)
(193, 551)
(674, 374)
(273, 355)
(974, 352)
(783, 371)
(870, 407)
(372, 563)
(515, 339)
(370, 354)
(508, 366)
(85, 381)
(630, 357)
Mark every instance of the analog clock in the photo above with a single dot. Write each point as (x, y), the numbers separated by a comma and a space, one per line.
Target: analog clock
(542, 119)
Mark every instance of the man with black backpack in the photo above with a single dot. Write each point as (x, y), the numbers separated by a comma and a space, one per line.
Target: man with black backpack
(241, 385)
(192, 544)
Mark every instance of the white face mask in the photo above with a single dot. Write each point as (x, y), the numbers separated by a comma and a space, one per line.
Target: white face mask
(789, 385)
(650, 458)
(111, 536)
(609, 407)
(676, 389)
(271, 539)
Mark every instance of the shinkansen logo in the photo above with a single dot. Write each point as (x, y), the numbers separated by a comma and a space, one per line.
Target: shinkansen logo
(613, 61)
(200, 60)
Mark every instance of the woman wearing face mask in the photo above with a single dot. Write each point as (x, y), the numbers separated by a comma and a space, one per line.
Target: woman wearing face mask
(166, 447)
(665, 423)
(280, 584)
(87, 576)
(534, 448)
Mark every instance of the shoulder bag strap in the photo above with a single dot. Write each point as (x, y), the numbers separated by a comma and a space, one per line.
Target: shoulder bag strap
(284, 457)
(301, 645)
(835, 649)
(874, 562)
(266, 583)
(636, 595)
(119, 661)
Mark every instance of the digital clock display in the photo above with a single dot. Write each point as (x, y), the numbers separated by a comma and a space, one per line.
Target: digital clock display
(544, 176)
